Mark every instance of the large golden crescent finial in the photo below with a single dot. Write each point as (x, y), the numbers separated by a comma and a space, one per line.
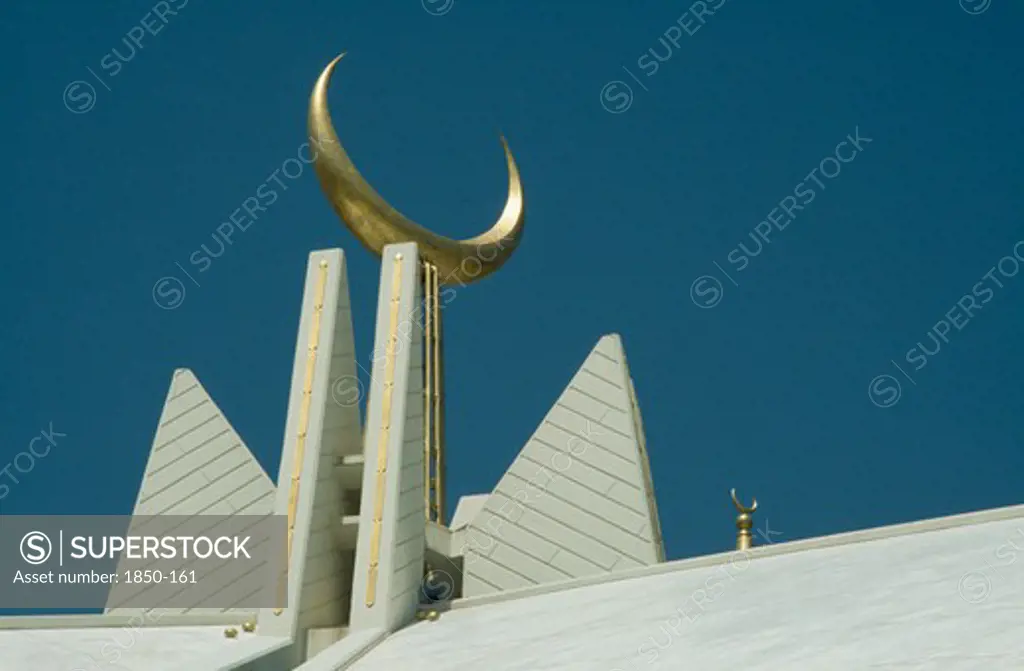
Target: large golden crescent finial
(376, 224)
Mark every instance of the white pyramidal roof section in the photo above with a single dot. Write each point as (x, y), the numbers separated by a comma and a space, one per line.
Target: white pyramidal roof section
(902, 597)
(578, 500)
(198, 465)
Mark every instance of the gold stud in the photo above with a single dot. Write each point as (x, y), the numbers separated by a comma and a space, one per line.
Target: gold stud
(248, 626)
(433, 615)
(323, 264)
(230, 632)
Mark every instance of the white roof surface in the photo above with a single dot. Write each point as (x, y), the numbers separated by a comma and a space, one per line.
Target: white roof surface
(121, 648)
(942, 595)
(947, 600)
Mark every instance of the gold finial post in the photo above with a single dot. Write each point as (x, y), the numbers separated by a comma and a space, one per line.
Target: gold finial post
(433, 397)
(744, 523)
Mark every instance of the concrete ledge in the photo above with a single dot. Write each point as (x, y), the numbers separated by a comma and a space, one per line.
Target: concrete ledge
(346, 652)
(836, 540)
(245, 651)
(350, 470)
(444, 541)
(133, 620)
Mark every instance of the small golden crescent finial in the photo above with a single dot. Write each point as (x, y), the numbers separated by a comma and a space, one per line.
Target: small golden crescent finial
(744, 523)
(739, 506)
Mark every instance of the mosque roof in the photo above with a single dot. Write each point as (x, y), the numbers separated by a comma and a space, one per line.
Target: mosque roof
(942, 594)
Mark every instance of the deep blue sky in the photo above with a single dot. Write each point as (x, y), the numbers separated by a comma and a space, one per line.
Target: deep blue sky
(767, 391)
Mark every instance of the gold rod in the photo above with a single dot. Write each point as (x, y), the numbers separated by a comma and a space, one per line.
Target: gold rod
(439, 465)
(300, 443)
(385, 429)
(428, 272)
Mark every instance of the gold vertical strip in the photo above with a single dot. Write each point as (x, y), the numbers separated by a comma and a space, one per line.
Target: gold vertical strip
(439, 465)
(307, 397)
(385, 430)
(428, 274)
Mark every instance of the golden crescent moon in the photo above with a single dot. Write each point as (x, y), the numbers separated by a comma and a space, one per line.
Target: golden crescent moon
(739, 506)
(376, 224)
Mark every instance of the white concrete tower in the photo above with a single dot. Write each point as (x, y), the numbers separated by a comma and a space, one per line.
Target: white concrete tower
(391, 547)
(322, 440)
